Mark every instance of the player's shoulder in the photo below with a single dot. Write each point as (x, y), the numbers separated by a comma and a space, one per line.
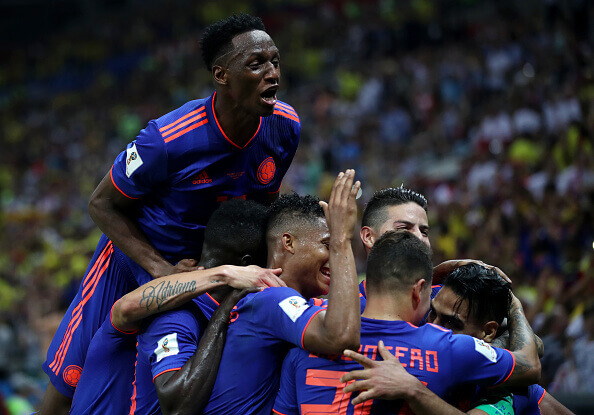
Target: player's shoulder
(275, 295)
(181, 120)
(188, 315)
(282, 109)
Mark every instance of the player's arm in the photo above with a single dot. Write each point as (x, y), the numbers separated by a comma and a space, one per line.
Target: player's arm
(523, 347)
(502, 341)
(188, 390)
(172, 291)
(113, 213)
(551, 406)
(387, 379)
(441, 271)
(338, 327)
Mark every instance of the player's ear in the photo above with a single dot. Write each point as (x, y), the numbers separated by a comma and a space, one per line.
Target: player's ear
(219, 74)
(490, 330)
(367, 237)
(247, 260)
(417, 292)
(288, 242)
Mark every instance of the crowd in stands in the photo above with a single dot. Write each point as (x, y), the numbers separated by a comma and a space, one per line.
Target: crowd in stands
(485, 107)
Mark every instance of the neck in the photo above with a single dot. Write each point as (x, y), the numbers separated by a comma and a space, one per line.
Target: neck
(236, 123)
(276, 260)
(387, 307)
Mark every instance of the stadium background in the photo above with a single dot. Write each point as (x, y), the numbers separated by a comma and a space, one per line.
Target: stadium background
(486, 107)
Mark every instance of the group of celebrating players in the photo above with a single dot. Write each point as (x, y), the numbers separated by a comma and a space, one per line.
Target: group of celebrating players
(244, 330)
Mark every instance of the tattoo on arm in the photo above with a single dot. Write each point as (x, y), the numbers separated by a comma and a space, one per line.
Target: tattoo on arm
(501, 341)
(156, 295)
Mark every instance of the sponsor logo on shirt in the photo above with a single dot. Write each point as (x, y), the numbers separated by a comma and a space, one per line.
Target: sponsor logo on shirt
(202, 178)
(294, 306)
(167, 346)
(133, 160)
(266, 171)
(485, 349)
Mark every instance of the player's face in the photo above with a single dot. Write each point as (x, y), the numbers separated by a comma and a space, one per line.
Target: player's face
(447, 311)
(409, 217)
(311, 260)
(254, 72)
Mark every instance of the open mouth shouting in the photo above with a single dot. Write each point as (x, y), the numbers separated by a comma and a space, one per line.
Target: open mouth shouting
(269, 96)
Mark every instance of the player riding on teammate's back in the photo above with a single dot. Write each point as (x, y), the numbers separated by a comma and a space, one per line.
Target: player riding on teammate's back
(154, 202)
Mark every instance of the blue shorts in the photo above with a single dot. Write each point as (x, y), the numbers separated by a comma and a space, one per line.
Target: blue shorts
(110, 275)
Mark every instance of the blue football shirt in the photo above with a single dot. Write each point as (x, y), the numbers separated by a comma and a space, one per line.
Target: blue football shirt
(441, 360)
(105, 384)
(183, 165)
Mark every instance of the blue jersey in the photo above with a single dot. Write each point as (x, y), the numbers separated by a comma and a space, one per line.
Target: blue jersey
(183, 165)
(105, 384)
(264, 327)
(441, 360)
(526, 401)
(165, 344)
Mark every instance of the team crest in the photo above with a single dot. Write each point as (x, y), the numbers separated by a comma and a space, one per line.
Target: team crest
(266, 171)
(72, 375)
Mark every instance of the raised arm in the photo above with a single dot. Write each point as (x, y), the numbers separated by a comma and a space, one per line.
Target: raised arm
(113, 214)
(188, 390)
(523, 346)
(339, 327)
(170, 292)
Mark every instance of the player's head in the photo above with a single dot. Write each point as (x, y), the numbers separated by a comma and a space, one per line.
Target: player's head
(297, 237)
(399, 265)
(394, 208)
(236, 235)
(244, 62)
(474, 300)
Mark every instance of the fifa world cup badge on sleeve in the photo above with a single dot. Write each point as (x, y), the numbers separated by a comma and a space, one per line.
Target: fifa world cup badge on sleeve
(294, 306)
(167, 346)
(133, 160)
(485, 349)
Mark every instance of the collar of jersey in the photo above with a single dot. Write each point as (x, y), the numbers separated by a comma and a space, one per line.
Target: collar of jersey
(211, 109)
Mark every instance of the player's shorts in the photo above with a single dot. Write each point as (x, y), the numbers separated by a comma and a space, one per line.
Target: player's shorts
(110, 275)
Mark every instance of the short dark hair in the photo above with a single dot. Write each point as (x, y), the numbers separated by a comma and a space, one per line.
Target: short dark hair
(488, 294)
(374, 214)
(397, 260)
(216, 38)
(238, 228)
(292, 209)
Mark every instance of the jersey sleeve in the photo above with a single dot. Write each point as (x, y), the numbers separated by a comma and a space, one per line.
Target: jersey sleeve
(286, 400)
(142, 165)
(169, 341)
(284, 313)
(496, 402)
(474, 361)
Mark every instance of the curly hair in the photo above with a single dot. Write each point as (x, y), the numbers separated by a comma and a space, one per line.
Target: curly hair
(216, 38)
(291, 209)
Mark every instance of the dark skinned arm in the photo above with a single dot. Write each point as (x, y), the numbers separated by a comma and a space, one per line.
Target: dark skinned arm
(503, 343)
(113, 214)
(441, 271)
(551, 406)
(339, 327)
(188, 390)
(156, 297)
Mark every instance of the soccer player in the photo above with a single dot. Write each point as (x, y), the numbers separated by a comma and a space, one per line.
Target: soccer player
(398, 293)
(153, 204)
(474, 300)
(310, 250)
(234, 236)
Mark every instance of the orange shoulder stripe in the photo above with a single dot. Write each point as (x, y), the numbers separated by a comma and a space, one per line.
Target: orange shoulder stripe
(188, 115)
(284, 114)
(287, 108)
(182, 132)
(183, 124)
